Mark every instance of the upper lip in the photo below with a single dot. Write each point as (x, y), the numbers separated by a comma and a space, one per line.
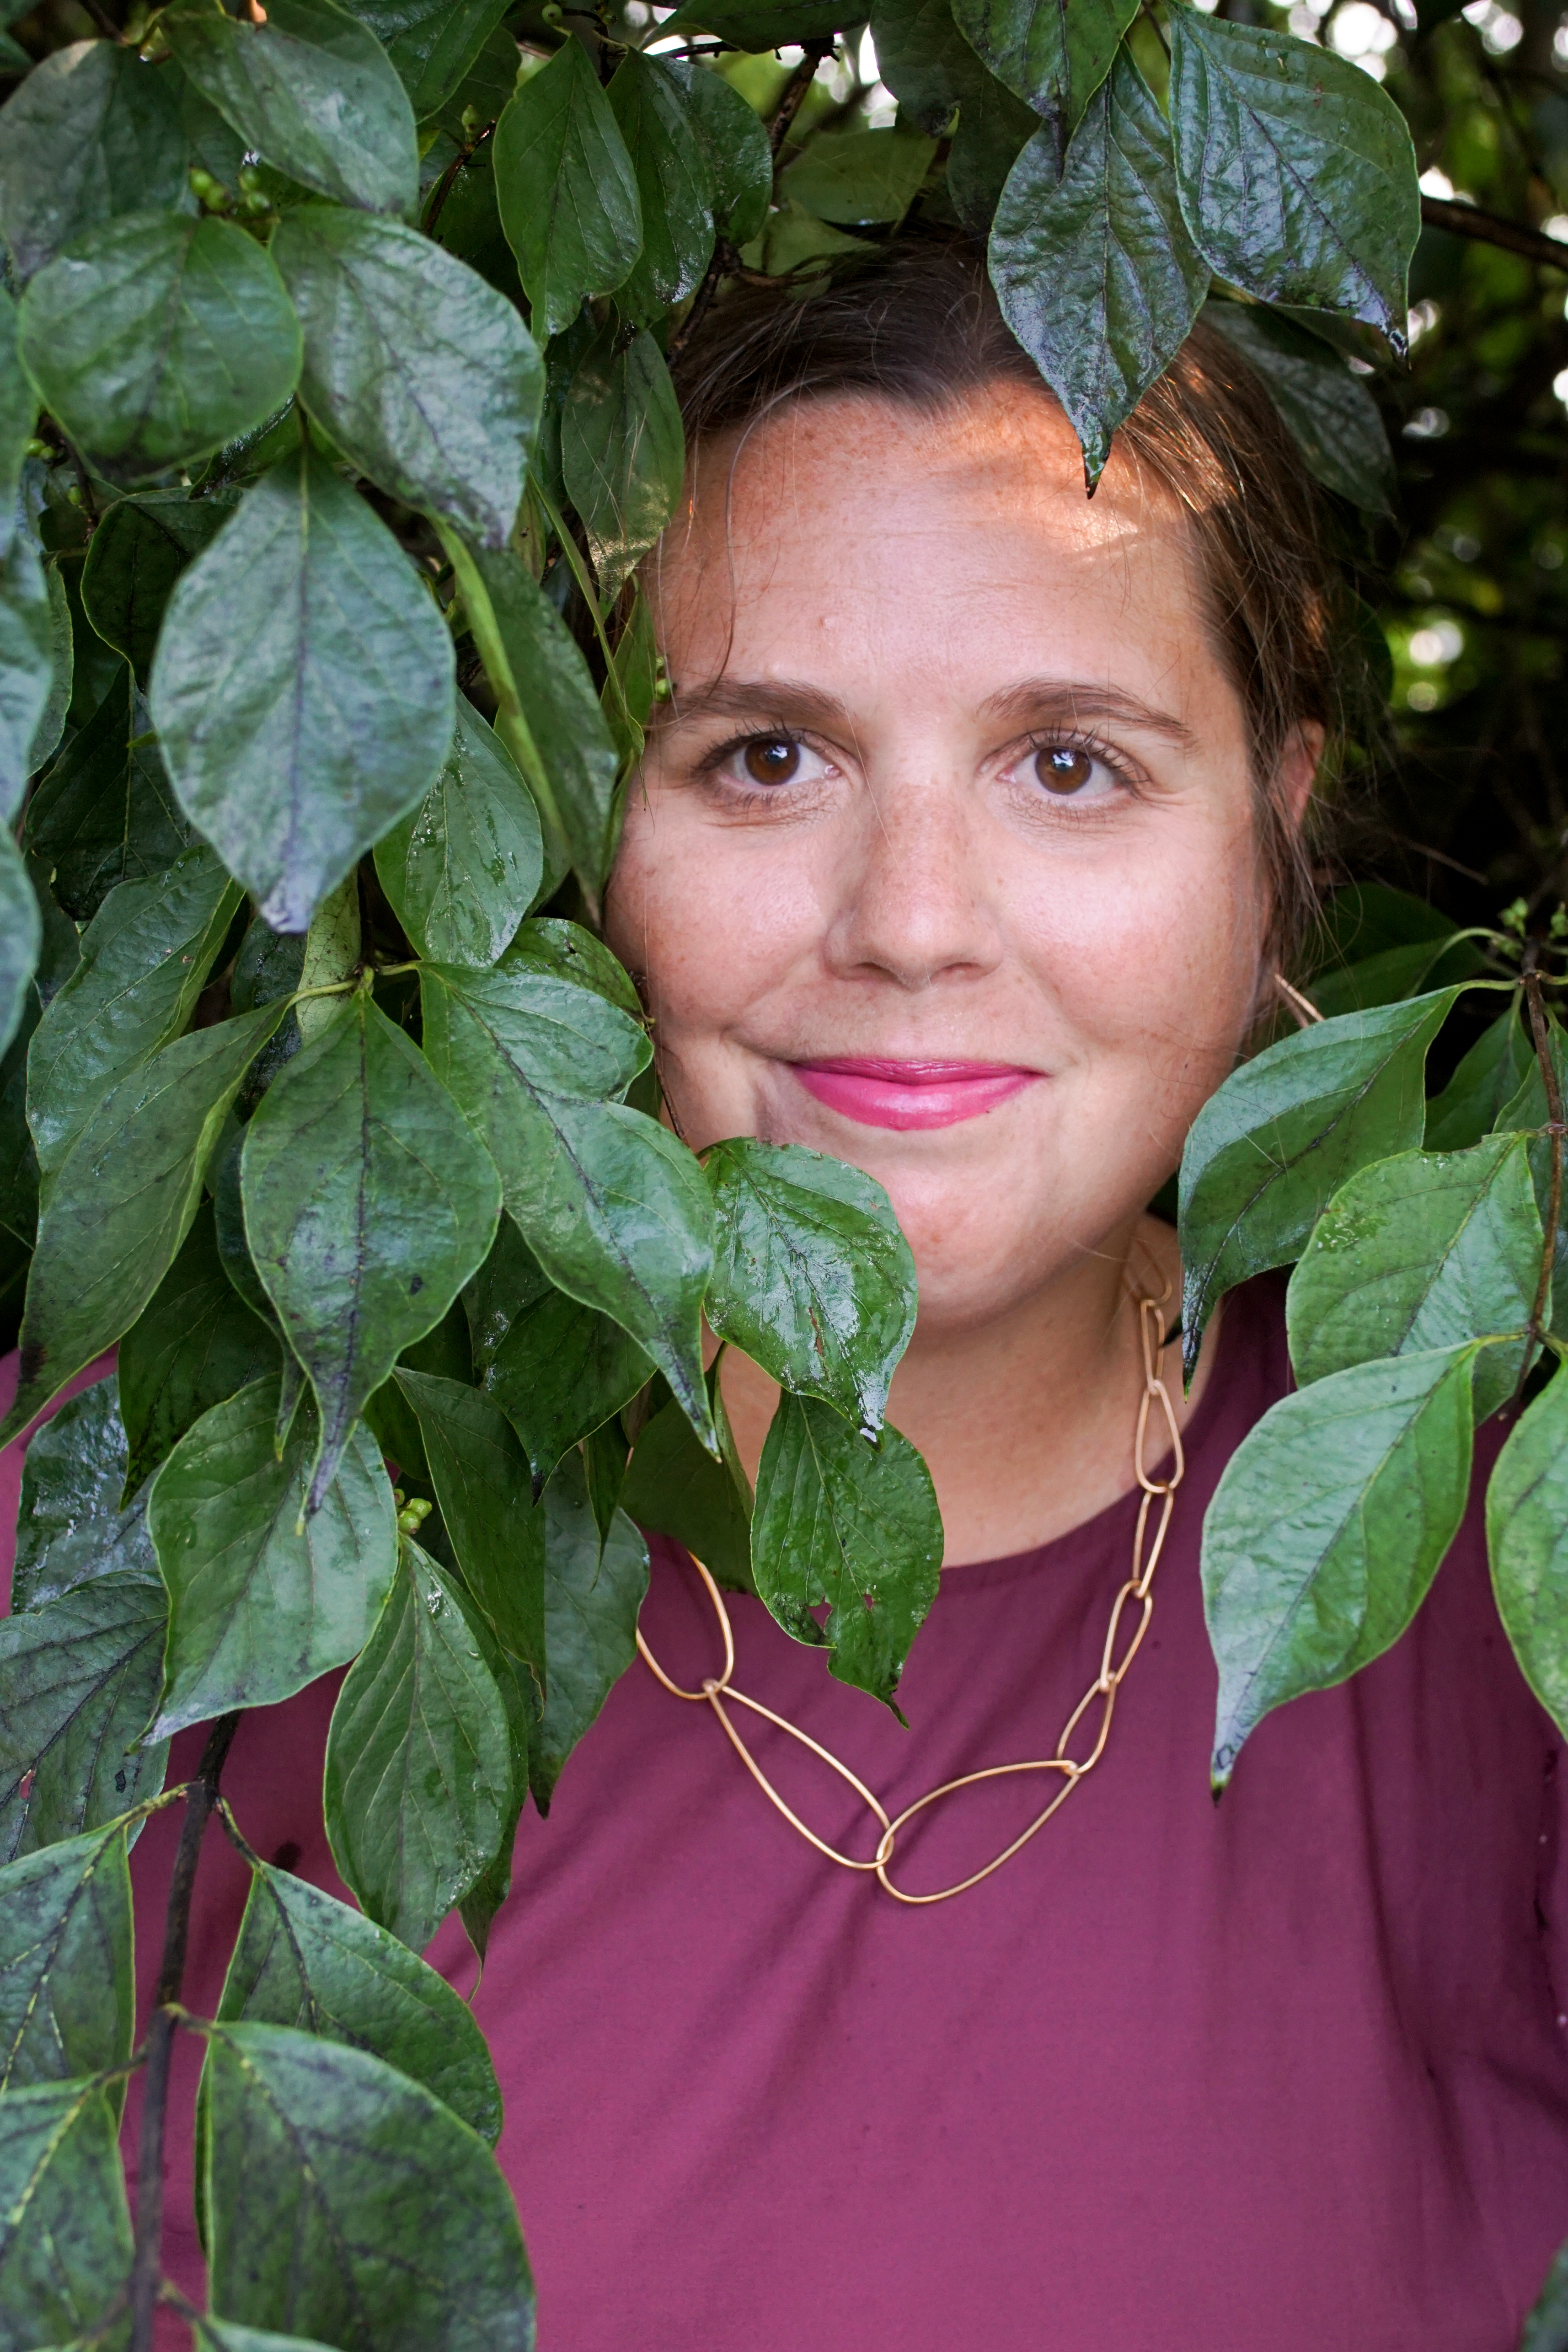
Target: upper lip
(910, 1071)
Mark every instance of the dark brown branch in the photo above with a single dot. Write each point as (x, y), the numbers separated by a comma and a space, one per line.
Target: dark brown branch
(146, 2264)
(1547, 1060)
(443, 185)
(794, 93)
(1490, 228)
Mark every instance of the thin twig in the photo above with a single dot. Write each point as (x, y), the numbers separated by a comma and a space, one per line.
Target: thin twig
(726, 263)
(146, 2264)
(1305, 1010)
(1490, 228)
(1547, 1060)
(443, 185)
(794, 92)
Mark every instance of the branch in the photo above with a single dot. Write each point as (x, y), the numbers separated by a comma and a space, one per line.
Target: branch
(443, 185)
(1490, 229)
(200, 1800)
(795, 90)
(1545, 1057)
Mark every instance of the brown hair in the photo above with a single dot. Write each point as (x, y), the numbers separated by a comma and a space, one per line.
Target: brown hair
(919, 324)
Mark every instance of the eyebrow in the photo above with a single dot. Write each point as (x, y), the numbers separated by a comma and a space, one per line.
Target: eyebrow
(772, 697)
(795, 701)
(1055, 698)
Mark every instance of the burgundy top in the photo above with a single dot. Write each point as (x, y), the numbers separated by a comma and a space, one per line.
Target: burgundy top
(1279, 2075)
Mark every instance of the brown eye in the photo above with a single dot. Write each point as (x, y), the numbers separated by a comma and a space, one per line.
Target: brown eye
(772, 760)
(1063, 768)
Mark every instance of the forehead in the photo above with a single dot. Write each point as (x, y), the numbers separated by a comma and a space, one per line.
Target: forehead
(842, 530)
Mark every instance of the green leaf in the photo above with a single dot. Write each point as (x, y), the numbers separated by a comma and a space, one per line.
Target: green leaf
(72, 1527)
(70, 697)
(1527, 1536)
(463, 869)
(369, 1201)
(123, 1202)
(68, 2001)
(78, 1680)
(419, 1780)
(854, 1525)
(1336, 423)
(145, 958)
(432, 43)
(195, 1343)
(1391, 975)
(422, 375)
(675, 191)
(548, 714)
(91, 134)
(812, 1276)
(27, 668)
(734, 146)
(855, 176)
(21, 936)
(106, 812)
(307, 1962)
(672, 1486)
(138, 552)
(311, 91)
(558, 1370)
(1489, 1075)
(65, 2228)
(924, 61)
(261, 1598)
(18, 414)
(1326, 1529)
(758, 25)
(1546, 2330)
(350, 2204)
(1095, 273)
(1420, 1252)
(480, 96)
(158, 337)
(1053, 57)
(593, 1590)
(210, 2335)
(1268, 1152)
(1296, 174)
(623, 452)
(296, 739)
(613, 1206)
(485, 1489)
(993, 128)
(567, 189)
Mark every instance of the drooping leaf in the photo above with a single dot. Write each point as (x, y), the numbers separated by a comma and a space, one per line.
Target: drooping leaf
(27, 668)
(423, 373)
(1296, 175)
(672, 1486)
(734, 146)
(567, 188)
(138, 550)
(419, 1779)
(158, 337)
(369, 1201)
(348, 2204)
(1267, 1153)
(811, 1275)
(195, 1343)
(994, 127)
(856, 1526)
(1422, 1251)
(924, 59)
(593, 1590)
(858, 176)
(296, 739)
(623, 451)
(1095, 273)
(463, 869)
(18, 414)
(122, 1204)
(312, 91)
(68, 2003)
(1326, 1529)
(1489, 1075)
(1052, 56)
(485, 1489)
(432, 43)
(106, 812)
(261, 1598)
(674, 190)
(308, 1962)
(1527, 1537)
(21, 936)
(548, 715)
(91, 134)
(1336, 423)
(78, 1680)
(72, 1526)
(64, 2227)
(560, 1369)
(145, 957)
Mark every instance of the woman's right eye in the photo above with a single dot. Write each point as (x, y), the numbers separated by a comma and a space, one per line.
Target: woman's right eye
(773, 759)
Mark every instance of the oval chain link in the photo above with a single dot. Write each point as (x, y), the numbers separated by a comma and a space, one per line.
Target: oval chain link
(717, 1689)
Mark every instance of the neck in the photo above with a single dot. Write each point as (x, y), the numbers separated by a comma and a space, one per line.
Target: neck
(1026, 1422)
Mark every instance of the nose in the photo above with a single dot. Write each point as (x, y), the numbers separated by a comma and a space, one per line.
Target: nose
(913, 902)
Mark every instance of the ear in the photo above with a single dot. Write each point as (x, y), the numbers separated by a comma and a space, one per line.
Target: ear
(1299, 767)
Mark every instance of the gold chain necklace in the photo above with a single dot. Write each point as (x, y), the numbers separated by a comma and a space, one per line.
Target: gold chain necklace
(1137, 1592)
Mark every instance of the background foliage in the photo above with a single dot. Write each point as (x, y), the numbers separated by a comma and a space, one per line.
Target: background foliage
(334, 415)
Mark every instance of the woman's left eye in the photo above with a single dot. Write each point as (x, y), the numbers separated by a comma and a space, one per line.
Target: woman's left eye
(1067, 772)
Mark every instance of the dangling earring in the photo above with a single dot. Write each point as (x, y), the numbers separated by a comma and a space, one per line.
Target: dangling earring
(1305, 1010)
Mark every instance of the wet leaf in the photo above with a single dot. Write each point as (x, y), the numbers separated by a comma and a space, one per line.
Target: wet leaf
(65, 2228)
(91, 134)
(623, 452)
(26, 669)
(484, 1490)
(567, 188)
(734, 146)
(1527, 1536)
(672, 1486)
(463, 869)
(433, 43)
(78, 1680)
(1054, 57)
(674, 190)
(72, 1527)
(1336, 423)
(68, 2001)
(592, 1593)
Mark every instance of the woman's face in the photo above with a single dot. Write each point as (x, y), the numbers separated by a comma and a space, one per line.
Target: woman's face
(943, 857)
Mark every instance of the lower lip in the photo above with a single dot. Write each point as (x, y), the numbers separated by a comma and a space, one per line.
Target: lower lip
(908, 1094)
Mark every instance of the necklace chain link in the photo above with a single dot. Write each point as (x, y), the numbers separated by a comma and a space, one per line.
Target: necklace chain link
(719, 1691)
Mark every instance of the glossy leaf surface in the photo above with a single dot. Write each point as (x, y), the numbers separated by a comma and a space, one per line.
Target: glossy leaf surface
(484, 1488)
(1054, 57)
(66, 1999)
(734, 146)
(463, 869)
(567, 188)
(432, 44)
(623, 452)
(78, 1680)
(1527, 1536)
(556, 1369)
(674, 190)
(71, 1526)
(91, 134)
(593, 1590)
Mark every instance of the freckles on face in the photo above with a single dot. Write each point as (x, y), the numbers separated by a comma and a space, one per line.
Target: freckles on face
(942, 859)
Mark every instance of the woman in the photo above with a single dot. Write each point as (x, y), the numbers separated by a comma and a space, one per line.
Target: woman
(967, 848)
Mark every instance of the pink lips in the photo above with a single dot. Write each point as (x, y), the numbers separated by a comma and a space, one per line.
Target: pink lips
(912, 1094)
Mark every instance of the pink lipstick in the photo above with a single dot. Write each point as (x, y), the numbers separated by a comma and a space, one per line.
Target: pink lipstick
(912, 1094)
